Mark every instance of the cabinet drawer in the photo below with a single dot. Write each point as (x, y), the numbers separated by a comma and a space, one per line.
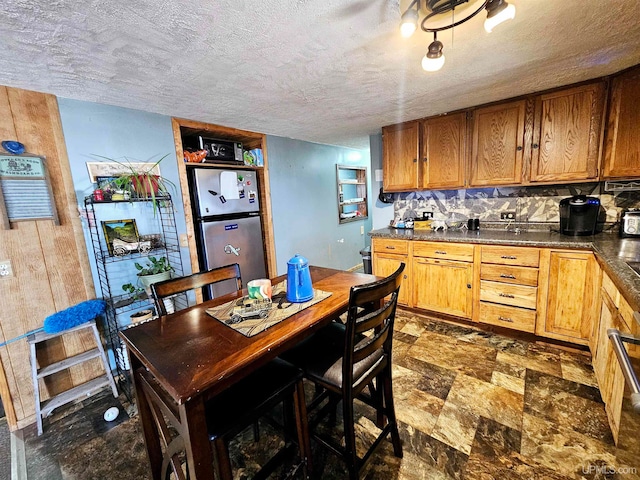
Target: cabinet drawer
(446, 251)
(502, 255)
(507, 294)
(509, 274)
(511, 317)
(400, 247)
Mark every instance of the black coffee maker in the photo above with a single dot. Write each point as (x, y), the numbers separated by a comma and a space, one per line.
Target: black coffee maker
(579, 215)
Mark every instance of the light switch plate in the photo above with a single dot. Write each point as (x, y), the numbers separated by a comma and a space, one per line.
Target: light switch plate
(5, 269)
(184, 241)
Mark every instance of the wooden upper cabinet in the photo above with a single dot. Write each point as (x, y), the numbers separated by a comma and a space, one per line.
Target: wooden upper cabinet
(622, 148)
(567, 134)
(443, 152)
(498, 138)
(400, 156)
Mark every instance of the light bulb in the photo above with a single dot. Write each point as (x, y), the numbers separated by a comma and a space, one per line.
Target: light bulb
(409, 23)
(432, 64)
(505, 14)
(407, 29)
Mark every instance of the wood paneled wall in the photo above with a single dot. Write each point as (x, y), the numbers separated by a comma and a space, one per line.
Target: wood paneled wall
(50, 264)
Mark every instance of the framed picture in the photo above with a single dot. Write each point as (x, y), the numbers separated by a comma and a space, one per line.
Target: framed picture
(103, 182)
(125, 231)
(115, 169)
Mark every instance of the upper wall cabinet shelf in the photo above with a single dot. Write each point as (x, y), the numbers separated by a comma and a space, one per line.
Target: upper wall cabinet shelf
(352, 193)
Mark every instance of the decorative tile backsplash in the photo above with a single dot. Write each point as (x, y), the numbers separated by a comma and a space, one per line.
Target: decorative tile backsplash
(539, 205)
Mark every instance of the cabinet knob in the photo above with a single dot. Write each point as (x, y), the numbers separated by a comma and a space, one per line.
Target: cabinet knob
(468, 285)
(535, 145)
(415, 160)
(425, 159)
(404, 276)
(519, 148)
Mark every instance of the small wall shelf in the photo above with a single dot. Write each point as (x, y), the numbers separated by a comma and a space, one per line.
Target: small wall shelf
(352, 193)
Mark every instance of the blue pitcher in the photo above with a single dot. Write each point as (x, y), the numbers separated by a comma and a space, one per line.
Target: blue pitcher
(299, 288)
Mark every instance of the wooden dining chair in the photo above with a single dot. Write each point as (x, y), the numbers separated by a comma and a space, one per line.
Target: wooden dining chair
(234, 409)
(174, 286)
(352, 361)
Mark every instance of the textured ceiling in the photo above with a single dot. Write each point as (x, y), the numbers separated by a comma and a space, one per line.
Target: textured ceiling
(327, 71)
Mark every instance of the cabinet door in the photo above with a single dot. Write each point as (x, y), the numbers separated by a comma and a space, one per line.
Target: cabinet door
(566, 141)
(606, 366)
(400, 157)
(443, 152)
(443, 286)
(572, 296)
(498, 138)
(607, 314)
(622, 149)
(385, 264)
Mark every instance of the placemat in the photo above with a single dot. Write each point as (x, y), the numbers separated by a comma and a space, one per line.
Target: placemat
(281, 309)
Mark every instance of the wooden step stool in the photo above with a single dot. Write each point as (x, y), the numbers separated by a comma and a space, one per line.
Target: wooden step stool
(85, 389)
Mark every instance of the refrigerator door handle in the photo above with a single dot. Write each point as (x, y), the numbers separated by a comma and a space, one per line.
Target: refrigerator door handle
(229, 249)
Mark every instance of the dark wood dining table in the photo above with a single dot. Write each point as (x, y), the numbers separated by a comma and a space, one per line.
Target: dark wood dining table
(193, 357)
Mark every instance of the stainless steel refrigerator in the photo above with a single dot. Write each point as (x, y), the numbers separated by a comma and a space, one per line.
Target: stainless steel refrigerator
(226, 205)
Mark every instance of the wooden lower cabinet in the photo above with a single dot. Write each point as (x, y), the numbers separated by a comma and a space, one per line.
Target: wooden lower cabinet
(571, 286)
(443, 286)
(605, 364)
(388, 253)
(384, 264)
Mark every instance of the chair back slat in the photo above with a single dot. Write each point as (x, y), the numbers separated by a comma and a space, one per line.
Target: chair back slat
(369, 345)
(372, 309)
(175, 286)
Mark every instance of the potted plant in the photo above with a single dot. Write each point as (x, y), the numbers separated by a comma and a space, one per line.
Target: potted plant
(136, 183)
(155, 270)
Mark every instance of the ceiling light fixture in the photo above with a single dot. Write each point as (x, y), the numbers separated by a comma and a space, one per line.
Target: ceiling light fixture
(434, 59)
(497, 12)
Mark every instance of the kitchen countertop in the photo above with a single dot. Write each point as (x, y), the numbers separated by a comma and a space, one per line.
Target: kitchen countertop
(609, 249)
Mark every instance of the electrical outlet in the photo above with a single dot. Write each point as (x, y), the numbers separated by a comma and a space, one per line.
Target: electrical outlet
(5, 269)
(361, 229)
(184, 241)
(510, 215)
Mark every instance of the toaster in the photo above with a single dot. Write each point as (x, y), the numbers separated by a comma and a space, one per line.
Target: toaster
(630, 223)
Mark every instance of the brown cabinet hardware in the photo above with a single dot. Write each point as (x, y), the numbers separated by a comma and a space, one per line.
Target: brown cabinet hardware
(505, 319)
(440, 252)
(506, 295)
(509, 257)
(507, 275)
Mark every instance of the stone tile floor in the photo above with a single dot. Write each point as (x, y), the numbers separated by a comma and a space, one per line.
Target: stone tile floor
(471, 405)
